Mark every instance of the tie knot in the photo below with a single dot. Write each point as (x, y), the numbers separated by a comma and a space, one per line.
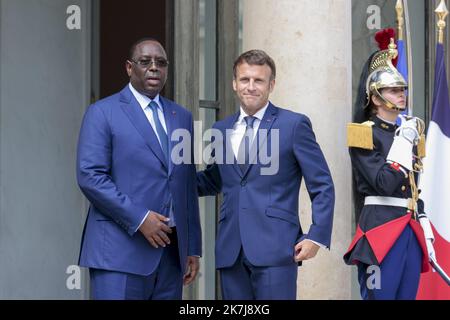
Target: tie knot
(250, 120)
(153, 105)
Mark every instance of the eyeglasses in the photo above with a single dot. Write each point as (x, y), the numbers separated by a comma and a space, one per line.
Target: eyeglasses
(145, 63)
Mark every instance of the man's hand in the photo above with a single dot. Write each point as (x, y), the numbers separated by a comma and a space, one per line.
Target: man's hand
(305, 250)
(192, 267)
(155, 229)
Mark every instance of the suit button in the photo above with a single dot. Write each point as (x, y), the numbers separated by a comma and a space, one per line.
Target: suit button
(167, 205)
(170, 178)
(243, 182)
(403, 188)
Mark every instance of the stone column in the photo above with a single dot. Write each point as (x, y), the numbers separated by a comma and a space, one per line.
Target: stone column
(186, 55)
(310, 42)
(186, 72)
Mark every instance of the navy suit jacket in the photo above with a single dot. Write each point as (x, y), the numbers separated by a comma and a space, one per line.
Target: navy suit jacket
(260, 212)
(122, 171)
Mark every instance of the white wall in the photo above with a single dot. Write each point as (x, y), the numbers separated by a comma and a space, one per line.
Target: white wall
(43, 93)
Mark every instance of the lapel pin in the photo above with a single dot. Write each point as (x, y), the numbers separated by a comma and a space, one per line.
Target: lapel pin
(174, 112)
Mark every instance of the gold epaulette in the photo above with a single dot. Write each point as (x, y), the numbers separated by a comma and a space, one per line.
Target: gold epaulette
(421, 153)
(359, 135)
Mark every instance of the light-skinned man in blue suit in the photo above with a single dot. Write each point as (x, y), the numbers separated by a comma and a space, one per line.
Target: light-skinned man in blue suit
(260, 241)
(142, 237)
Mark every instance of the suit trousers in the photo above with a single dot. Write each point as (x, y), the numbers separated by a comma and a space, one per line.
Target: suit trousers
(244, 281)
(165, 283)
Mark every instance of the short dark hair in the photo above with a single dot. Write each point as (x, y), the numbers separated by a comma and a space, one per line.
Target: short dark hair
(255, 57)
(138, 42)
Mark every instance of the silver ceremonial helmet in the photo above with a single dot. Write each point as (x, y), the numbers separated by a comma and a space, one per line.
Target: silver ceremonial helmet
(383, 74)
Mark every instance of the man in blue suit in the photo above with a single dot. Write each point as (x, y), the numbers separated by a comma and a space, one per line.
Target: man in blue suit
(260, 241)
(142, 236)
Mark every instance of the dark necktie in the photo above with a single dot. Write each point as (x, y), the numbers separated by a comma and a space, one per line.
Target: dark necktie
(165, 148)
(160, 130)
(246, 144)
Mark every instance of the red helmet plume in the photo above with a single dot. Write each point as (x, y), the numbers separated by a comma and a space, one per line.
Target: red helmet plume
(383, 38)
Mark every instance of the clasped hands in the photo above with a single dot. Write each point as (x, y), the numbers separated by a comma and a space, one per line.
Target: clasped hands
(155, 230)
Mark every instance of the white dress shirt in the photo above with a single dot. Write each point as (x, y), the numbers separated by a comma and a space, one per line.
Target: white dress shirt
(144, 102)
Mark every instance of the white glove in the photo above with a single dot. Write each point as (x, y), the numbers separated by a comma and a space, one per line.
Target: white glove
(406, 136)
(401, 152)
(408, 130)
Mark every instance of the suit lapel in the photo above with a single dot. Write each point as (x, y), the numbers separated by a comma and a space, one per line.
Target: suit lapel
(138, 118)
(264, 128)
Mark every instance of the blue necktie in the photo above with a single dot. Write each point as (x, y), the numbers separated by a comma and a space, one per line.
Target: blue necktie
(246, 143)
(163, 138)
(160, 130)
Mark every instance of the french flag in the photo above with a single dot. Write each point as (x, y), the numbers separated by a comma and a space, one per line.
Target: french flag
(435, 183)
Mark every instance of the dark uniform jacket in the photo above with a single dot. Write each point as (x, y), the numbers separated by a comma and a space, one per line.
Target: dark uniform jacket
(379, 226)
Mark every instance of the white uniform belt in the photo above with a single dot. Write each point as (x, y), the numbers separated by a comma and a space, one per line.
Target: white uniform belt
(387, 201)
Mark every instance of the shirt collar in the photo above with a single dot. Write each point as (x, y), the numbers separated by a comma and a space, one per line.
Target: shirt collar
(258, 115)
(143, 100)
